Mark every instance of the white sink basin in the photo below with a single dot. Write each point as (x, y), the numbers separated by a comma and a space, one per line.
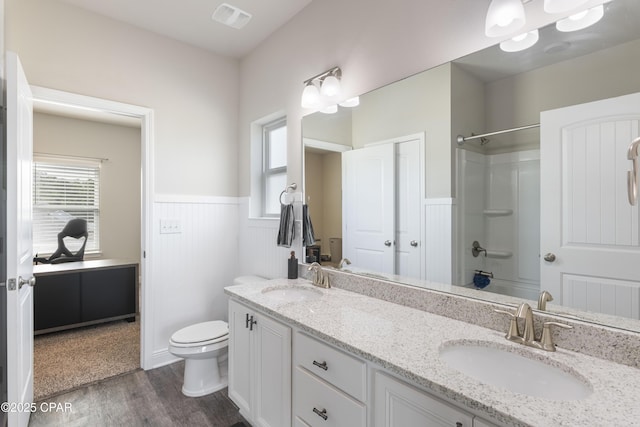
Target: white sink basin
(500, 366)
(292, 293)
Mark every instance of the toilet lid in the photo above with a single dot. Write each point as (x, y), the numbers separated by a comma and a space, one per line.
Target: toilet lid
(200, 332)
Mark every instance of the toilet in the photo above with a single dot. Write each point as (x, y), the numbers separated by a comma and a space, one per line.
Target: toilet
(202, 346)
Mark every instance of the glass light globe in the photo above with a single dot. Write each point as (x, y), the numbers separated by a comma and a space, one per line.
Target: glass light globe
(330, 86)
(504, 17)
(310, 97)
(581, 20)
(521, 42)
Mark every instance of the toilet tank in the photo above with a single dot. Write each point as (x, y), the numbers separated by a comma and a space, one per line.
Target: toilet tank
(244, 280)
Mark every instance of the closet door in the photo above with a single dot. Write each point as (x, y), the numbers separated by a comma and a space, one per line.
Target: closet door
(409, 160)
(368, 207)
(590, 234)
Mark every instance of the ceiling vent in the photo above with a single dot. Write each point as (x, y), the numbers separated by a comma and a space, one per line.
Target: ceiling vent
(231, 16)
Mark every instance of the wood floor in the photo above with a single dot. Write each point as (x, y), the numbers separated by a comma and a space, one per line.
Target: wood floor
(141, 398)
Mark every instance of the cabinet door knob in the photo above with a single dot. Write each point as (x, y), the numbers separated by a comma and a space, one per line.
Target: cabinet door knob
(414, 243)
(322, 365)
(550, 257)
(322, 414)
(387, 243)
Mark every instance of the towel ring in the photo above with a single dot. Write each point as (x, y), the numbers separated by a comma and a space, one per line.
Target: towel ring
(291, 186)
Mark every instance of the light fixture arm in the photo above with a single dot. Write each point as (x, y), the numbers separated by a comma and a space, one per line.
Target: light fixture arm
(335, 71)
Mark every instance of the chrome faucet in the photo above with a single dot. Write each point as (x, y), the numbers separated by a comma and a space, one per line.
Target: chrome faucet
(528, 336)
(319, 277)
(544, 298)
(342, 262)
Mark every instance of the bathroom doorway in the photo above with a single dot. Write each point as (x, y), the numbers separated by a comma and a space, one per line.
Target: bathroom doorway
(62, 110)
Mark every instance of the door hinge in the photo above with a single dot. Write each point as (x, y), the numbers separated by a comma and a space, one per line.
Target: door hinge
(12, 284)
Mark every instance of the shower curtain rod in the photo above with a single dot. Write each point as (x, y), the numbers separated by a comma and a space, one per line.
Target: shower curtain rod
(462, 139)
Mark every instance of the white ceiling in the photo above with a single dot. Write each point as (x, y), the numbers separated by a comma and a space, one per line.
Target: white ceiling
(190, 21)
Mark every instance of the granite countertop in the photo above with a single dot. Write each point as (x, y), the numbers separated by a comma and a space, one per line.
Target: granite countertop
(407, 342)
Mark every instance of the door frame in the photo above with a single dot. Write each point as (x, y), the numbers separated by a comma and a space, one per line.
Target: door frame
(53, 97)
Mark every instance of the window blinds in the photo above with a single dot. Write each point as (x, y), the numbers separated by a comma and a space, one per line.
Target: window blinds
(63, 190)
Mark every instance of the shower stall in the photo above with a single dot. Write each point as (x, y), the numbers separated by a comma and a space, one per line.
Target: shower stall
(498, 200)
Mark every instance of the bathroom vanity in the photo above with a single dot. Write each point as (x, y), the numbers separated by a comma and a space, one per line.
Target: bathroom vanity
(74, 294)
(355, 360)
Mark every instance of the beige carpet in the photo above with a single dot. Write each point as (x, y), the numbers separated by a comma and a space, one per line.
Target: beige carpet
(69, 359)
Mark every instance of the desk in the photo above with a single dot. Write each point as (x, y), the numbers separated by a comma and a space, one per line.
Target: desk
(74, 294)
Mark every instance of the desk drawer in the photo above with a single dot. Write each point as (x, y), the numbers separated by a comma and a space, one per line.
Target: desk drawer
(320, 405)
(340, 369)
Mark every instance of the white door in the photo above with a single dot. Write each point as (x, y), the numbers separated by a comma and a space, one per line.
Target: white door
(368, 207)
(408, 209)
(19, 241)
(590, 234)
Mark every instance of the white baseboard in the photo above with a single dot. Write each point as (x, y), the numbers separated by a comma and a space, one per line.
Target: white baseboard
(162, 358)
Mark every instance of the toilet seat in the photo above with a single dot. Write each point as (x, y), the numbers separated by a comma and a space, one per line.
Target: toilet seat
(201, 334)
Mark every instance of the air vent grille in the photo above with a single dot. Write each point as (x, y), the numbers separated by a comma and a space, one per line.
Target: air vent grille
(231, 16)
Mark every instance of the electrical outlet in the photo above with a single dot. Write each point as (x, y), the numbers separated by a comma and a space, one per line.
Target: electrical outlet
(170, 226)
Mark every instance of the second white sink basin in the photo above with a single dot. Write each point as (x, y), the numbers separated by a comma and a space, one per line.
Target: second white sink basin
(292, 293)
(500, 366)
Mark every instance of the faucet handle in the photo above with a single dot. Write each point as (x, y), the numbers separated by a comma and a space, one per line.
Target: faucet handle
(513, 333)
(546, 341)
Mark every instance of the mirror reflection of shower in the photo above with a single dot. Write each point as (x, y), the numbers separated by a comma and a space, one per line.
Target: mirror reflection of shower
(499, 213)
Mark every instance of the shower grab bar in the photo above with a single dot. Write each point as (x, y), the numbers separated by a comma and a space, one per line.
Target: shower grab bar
(462, 139)
(632, 175)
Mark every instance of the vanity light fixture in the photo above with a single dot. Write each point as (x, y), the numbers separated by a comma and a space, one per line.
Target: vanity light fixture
(351, 102)
(560, 6)
(504, 17)
(330, 109)
(581, 20)
(521, 42)
(329, 83)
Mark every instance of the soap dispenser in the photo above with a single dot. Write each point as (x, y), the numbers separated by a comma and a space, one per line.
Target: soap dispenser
(293, 266)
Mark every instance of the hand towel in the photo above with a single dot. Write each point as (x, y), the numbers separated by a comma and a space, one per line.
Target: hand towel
(308, 237)
(287, 221)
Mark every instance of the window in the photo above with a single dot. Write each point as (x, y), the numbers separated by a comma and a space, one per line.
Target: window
(64, 189)
(274, 171)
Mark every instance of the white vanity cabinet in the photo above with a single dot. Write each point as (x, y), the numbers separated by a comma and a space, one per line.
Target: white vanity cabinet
(259, 367)
(329, 386)
(398, 404)
(280, 376)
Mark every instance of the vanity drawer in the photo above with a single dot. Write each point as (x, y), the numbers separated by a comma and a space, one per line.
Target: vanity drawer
(343, 371)
(320, 405)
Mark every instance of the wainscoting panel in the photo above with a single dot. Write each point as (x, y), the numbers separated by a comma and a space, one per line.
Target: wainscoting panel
(259, 254)
(609, 296)
(195, 255)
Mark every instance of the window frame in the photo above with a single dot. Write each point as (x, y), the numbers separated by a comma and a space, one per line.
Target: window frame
(62, 161)
(268, 172)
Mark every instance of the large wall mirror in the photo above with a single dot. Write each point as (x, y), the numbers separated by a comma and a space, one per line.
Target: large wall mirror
(530, 151)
